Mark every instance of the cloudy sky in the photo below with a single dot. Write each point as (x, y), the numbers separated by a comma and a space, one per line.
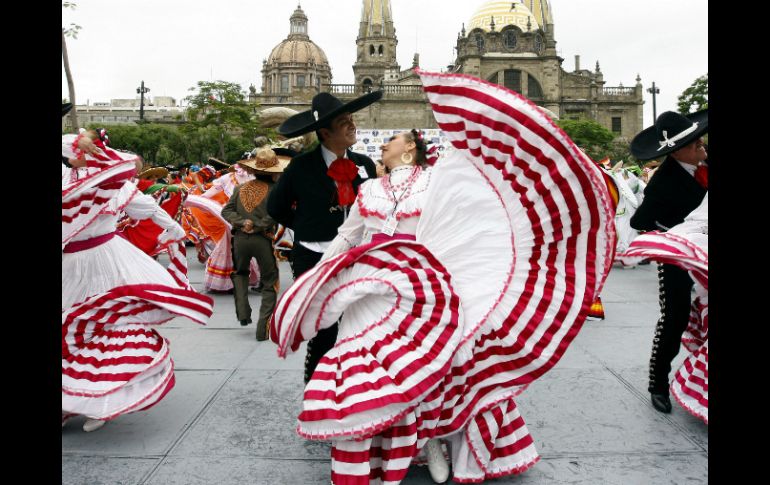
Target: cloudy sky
(173, 44)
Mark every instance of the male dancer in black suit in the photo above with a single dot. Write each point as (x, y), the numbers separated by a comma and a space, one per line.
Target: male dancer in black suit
(676, 189)
(316, 191)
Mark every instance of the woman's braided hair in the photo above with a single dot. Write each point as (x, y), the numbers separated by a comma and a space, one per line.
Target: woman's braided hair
(421, 145)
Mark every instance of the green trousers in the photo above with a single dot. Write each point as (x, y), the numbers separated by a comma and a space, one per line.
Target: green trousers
(247, 246)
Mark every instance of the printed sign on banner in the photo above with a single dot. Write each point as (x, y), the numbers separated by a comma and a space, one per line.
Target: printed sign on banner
(370, 141)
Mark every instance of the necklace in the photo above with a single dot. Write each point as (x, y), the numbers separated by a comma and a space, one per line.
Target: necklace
(406, 185)
(389, 187)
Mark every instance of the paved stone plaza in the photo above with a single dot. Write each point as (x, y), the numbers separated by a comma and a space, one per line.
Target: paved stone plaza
(231, 417)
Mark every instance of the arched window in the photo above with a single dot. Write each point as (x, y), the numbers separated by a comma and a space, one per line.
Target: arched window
(538, 44)
(480, 42)
(371, 50)
(509, 39)
(512, 79)
(380, 50)
(367, 85)
(534, 91)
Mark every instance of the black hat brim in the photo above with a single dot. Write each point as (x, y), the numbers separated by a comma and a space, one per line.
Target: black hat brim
(65, 108)
(305, 122)
(645, 145)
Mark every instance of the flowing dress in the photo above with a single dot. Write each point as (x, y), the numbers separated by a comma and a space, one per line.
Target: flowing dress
(219, 264)
(631, 194)
(440, 334)
(113, 361)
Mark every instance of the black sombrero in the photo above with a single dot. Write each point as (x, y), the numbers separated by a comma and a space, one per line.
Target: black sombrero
(324, 108)
(65, 108)
(670, 132)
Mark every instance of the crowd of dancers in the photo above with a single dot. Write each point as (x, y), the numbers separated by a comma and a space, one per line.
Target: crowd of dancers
(409, 358)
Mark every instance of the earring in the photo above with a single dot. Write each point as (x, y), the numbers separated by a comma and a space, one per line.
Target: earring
(408, 160)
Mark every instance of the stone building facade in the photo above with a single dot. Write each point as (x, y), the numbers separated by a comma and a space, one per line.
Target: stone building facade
(508, 43)
(159, 109)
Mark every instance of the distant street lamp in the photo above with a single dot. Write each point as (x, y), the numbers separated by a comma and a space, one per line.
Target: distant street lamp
(141, 90)
(653, 90)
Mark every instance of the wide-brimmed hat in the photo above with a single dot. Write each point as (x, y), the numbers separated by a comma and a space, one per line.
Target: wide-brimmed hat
(266, 161)
(160, 172)
(670, 132)
(65, 108)
(324, 108)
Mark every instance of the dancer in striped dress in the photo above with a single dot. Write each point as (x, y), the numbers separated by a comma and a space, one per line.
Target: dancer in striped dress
(460, 285)
(113, 361)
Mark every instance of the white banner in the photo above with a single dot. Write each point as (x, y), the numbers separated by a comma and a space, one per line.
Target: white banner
(370, 141)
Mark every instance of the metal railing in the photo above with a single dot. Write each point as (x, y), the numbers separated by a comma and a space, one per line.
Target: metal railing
(390, 90)
(617, 91)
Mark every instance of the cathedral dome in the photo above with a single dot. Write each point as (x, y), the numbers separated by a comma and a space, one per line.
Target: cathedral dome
(297, 51)
(296, 65)
(535, 12)
(297, 47)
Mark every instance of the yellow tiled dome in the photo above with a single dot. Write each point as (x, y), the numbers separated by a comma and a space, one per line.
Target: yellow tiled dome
(537, 12)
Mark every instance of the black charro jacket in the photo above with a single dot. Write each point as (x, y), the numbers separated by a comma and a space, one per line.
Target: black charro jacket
(669, 197)
(305, 183)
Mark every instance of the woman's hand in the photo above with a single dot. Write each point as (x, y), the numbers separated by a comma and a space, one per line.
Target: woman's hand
(248, 227)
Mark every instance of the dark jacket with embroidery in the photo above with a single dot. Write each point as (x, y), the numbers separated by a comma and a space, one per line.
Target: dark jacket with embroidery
(236, 214)
(305, 197)
(669, 197)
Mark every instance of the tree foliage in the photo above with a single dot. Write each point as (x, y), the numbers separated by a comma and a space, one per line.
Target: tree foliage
(220, 123)
(221, 107)
(696, 97)
(157, 144)
(590, 136)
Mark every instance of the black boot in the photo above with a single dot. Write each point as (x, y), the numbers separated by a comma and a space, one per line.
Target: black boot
(661, 402)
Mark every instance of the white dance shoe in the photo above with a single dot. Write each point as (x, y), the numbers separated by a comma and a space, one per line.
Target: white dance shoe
(92, 425)
(437, 464)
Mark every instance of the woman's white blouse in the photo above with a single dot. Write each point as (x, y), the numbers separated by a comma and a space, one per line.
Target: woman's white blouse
(375, 204)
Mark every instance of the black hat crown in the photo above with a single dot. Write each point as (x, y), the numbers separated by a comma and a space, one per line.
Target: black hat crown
(323, 104)
(671, 132)
(671, 126)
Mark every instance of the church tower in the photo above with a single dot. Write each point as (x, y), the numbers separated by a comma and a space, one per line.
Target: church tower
(376, 44)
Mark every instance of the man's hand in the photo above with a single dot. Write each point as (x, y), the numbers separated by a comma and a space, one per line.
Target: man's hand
(248, 227)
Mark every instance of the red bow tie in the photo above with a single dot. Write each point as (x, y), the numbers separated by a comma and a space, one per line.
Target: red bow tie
(343, 171)
(702, 176)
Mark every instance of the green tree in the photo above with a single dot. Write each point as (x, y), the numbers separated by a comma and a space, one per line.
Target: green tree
(157, 144)
(696, 97)
(593, 138)
(620, 149)
(222, 108)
